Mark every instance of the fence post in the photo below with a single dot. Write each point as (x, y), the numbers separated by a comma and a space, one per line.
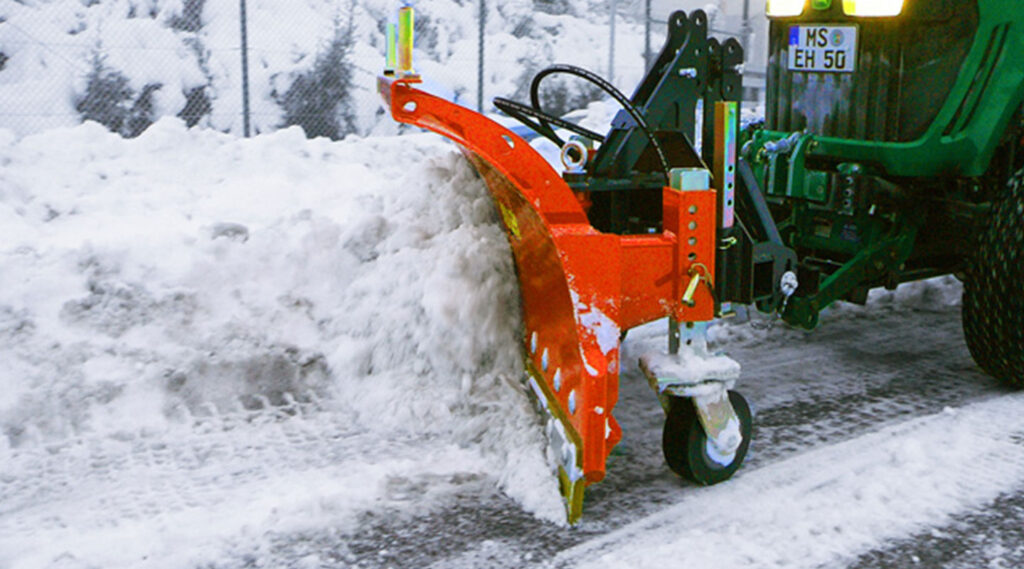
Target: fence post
(746, 29)
(245, 71)
(611, 43)
(647, 35)
(480, 60)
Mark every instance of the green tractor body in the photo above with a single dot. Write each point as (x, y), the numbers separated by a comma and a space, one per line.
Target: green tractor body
(887, 141)
(931, 94)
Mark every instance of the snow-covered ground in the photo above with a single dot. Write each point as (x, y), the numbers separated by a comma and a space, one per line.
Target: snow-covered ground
(824, 507)
(212, 344)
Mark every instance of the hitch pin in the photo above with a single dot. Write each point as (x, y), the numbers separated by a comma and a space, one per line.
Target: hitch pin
(691, 289)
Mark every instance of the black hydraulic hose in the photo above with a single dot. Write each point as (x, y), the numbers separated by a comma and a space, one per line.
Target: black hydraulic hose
(607, 88)
(523, 113)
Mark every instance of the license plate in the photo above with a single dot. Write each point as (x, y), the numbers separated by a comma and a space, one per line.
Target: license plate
(823, 49)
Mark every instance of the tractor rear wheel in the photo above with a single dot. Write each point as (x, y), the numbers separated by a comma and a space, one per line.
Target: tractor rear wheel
(993, 300)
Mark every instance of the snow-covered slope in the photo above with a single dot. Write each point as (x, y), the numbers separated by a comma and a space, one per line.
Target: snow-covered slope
(49, 47)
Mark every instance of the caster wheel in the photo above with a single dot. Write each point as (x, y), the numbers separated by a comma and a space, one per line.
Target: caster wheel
(687, 449)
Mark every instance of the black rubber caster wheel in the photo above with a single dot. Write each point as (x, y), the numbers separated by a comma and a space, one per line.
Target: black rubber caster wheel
(687, 449)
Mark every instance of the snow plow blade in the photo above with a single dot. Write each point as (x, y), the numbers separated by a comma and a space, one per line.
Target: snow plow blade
(580, 287)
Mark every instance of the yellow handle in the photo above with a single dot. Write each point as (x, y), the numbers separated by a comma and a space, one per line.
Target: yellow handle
(691, 289)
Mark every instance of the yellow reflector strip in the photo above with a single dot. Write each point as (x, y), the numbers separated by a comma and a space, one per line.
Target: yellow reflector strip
(872, 7)
(405, 40)
(390, 56)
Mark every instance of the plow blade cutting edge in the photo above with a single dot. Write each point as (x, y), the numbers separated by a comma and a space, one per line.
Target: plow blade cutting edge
(580, 288)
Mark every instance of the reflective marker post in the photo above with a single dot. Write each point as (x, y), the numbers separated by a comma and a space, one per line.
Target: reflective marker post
(405, 40)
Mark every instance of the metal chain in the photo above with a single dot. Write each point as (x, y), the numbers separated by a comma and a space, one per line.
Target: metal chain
(787, 286)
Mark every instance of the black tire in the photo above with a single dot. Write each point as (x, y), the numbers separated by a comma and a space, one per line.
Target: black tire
(686, 445)
(993, 301)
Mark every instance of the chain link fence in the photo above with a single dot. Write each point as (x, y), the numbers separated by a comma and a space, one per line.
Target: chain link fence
(253, 66)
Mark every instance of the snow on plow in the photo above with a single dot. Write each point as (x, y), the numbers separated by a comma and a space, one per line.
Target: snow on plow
(582, 287)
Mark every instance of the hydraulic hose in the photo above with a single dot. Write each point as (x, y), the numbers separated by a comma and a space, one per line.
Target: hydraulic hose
(545, 120)
(523, 113)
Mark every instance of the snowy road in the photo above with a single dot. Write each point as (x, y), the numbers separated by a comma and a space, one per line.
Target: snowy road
(877, 444)
(326, 376)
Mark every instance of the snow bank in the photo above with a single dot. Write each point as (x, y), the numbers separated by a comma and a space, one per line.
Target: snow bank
(154, 285)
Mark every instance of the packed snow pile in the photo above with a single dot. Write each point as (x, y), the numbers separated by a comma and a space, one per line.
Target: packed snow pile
(188, 293)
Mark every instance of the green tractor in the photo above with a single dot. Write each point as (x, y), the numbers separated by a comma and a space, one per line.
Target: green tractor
(892, 151)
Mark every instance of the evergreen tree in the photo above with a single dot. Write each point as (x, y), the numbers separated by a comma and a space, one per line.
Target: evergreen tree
(319, 100)
(109, 100)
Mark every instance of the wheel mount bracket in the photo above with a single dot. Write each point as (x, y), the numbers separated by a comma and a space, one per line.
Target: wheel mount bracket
(720, 422)
(690, 370)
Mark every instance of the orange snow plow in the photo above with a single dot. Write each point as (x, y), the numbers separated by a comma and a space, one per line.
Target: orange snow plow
(583, 284)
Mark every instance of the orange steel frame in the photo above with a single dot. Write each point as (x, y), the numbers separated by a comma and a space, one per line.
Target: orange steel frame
(580, 288)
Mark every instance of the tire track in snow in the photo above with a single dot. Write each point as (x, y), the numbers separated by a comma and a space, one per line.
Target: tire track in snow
(237, 472)
(921, 367)
(825, 506)
(866, 381)
(992, 536)
(211, 448)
